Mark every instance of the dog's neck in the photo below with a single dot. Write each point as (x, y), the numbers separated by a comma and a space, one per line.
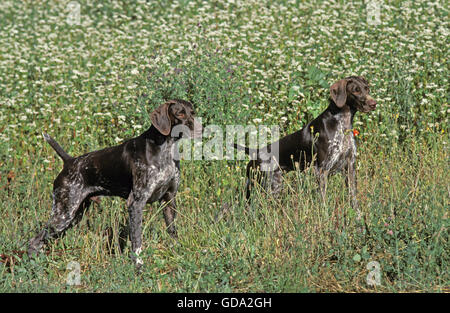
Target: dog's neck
(346, 113)
(156, 137)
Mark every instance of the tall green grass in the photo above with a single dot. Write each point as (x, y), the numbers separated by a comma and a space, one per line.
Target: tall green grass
(94, 85)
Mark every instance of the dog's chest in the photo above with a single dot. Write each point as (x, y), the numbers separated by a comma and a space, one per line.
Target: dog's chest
(162, 177)
(341, 149)
(160, 180)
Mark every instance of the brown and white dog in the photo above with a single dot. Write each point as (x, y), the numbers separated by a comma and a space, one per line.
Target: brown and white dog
(142, 170)
(329, 138)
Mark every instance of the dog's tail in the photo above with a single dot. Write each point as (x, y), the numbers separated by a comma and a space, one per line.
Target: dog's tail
(52, 142)
(247, 150)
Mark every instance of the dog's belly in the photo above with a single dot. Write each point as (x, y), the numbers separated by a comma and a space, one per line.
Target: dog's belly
(158, 182)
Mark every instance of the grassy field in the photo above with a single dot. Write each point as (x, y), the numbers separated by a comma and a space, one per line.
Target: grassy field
(92, 82)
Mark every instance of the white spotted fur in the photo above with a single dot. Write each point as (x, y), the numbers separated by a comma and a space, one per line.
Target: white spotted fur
(342, 146)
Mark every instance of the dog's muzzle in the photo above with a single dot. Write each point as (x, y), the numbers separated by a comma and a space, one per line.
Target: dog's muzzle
(371, 103)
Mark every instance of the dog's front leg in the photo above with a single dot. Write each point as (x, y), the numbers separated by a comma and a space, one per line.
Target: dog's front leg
(352, 186)
(276, 179)
(322, 179)
(170, 212)
(136, 203)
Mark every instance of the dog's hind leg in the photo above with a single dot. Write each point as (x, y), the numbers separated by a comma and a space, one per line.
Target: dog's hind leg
(67, 210)
(276, 179)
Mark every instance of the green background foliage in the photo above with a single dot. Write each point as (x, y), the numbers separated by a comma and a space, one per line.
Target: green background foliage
(94, 84)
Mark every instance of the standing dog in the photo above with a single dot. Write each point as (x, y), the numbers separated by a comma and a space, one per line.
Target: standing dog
(329, 138)
(141, 170)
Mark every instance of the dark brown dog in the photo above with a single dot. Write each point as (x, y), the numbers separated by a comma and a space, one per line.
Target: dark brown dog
(329, 138)
(141, 170)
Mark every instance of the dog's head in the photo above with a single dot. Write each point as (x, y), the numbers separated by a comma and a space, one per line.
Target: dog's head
(353, 91)
(176, 118)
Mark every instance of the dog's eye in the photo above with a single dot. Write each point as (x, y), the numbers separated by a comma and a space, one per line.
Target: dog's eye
(181, 113)
(357, 89)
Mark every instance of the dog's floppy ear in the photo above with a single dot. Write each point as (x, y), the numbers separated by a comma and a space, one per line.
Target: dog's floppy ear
(338, 92)
(161, 120)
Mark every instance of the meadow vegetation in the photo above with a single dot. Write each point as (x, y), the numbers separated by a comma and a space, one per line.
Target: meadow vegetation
(93, 84)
